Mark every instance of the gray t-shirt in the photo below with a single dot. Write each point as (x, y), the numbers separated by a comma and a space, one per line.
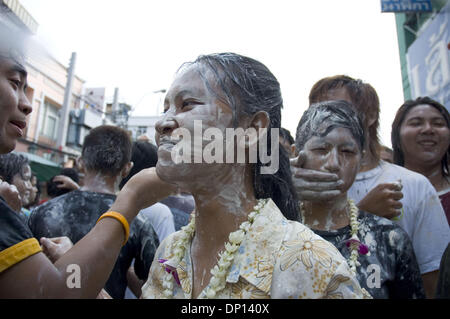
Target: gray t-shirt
(161, 219)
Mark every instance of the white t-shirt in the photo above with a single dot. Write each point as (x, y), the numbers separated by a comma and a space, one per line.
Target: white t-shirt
(161, 219)
(422, 217)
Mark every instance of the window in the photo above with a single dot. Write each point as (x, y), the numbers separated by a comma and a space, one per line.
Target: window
(48, 156)
(50, 119)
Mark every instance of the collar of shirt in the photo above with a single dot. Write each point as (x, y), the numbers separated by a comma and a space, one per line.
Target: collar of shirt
(370, 173)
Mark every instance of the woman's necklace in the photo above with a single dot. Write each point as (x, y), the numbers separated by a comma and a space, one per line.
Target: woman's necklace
(355, 245)
(220, 270)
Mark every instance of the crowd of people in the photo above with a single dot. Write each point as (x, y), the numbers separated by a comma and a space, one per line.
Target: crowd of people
(343, 216)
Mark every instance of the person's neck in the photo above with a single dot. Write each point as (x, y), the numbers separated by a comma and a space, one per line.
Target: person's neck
(99, 183)
(433, 172)
(327, 216)
(222, 207)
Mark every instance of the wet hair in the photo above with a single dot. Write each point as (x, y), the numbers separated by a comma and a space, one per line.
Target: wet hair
(106, 149)
(284, 133)
(321, 118)
(400, 116)
(12, 164)
(52, 187)
(143, 155)
(363, 97)
(248, 87)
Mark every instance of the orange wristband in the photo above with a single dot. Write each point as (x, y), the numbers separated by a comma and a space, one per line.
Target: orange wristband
(119, 217)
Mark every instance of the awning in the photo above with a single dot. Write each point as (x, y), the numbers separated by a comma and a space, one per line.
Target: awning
(41, 167)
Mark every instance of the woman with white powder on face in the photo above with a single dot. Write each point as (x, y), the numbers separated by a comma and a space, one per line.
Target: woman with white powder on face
(242, 241)
(412, 204)
(380, 253)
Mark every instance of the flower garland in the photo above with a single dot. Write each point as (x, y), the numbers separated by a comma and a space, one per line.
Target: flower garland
(353, 243)
(220, 270)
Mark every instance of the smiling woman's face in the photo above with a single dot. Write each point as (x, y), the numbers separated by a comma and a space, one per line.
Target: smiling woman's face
(424, 136)
(188, 100)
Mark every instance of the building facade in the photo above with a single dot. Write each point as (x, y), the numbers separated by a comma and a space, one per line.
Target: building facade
(47, 80)
(143, 125)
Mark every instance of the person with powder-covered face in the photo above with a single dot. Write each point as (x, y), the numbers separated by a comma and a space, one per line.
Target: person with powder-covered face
(25, 271)
(380, 188)
(242, 240)
(332, 137)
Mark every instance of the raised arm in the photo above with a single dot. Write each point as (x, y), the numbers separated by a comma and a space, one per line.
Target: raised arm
(84, 269)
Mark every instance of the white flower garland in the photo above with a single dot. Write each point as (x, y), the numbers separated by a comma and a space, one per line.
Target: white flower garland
(354, 240)
(219, 271)
(354, 243)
